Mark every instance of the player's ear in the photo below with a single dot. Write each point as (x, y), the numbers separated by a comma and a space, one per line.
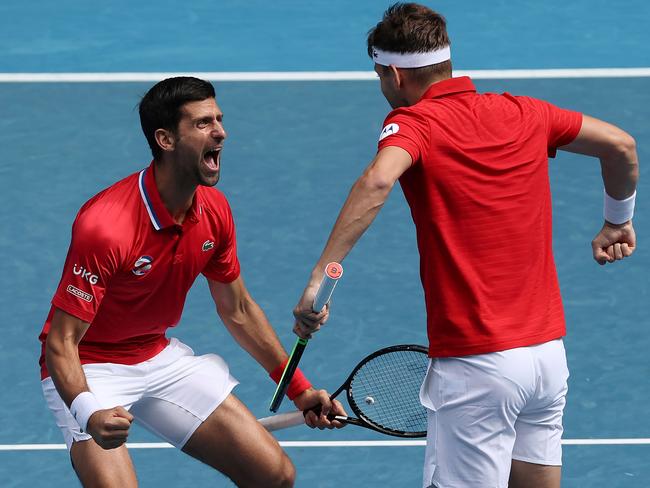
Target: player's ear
(397, 75)
(165, 139)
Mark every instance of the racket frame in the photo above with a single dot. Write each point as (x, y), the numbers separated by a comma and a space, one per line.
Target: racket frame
(285, 420)
(363, 420)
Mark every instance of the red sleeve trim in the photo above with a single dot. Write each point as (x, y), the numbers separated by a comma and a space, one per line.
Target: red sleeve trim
(67, 307)
(407, 147)
(574, 131)
(570, 135)
(224, 278)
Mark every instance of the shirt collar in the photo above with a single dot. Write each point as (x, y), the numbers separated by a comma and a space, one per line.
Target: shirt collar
(158, 213)
(449, 86)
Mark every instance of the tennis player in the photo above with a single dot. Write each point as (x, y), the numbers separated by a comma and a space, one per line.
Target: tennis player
(136, 249)
(474, 170)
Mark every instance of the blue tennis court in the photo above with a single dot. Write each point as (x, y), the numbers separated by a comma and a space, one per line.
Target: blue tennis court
(294, 149)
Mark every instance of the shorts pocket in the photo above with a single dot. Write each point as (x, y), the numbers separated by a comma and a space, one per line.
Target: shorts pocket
(425, 389)
(441, 386)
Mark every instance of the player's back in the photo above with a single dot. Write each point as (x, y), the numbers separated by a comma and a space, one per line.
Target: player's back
(480, 198)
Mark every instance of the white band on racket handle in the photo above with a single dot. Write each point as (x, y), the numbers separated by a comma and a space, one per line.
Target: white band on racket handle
(282, 421)
(333, 271)
(618, 211)
(82, 407)
(291, 419)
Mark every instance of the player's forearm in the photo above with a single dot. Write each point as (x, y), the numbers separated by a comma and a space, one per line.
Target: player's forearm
(64, 366)
(364, 202)
(620, 168)
(62, 354)
(251, 329)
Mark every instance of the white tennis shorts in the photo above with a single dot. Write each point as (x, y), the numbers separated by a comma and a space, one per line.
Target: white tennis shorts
(486, 410)
(170, 394)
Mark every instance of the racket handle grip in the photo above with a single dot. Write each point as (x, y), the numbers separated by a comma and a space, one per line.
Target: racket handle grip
(287, 374)
(292, 419)
(282, 421)
(333, 272)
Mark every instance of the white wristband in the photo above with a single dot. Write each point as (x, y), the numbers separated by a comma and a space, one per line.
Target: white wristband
(82, 407)
(618, 211)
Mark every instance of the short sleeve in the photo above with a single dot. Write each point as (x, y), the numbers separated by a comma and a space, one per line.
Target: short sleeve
(91, 261)
(406, 129)
(562, 125)
(224, 264)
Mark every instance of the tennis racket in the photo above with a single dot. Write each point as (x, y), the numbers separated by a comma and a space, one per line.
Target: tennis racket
(383, 392)
(333, 271)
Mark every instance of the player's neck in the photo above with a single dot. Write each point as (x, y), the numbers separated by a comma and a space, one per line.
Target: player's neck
(176, 191)
(414, 93)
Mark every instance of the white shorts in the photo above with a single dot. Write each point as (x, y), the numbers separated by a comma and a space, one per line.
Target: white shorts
(486, 410)
(170, 394)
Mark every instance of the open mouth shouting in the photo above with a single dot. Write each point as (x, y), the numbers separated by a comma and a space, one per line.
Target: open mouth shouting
(212, 158)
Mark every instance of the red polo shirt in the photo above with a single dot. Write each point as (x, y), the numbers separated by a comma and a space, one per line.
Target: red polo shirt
(129, 267)
(480, 198)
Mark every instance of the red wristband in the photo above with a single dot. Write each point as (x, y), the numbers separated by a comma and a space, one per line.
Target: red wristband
(299, 382)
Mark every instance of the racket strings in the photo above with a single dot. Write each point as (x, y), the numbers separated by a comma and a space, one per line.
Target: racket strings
(386, 390)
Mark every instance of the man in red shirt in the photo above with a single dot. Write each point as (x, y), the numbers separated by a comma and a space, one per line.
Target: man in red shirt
(136, 249)
(474, 171)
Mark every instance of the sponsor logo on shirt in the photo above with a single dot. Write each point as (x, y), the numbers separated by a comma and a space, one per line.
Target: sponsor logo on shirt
(389, 130)
(142, 266)
(85, 274)
(73, 290)
(207, 245)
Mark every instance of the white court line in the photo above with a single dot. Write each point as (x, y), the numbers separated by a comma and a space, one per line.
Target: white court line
(404, 443)
(129, 77)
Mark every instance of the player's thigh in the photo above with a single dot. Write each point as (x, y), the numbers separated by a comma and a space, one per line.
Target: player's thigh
(233, 442)
(184, 390)
(102, 468)
(473, 404)
(529, 475)
(539, 424)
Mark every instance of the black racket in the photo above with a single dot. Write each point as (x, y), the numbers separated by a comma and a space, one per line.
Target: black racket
(383, 392)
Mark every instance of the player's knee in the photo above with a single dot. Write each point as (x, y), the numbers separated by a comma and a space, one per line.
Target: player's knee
(285, 475)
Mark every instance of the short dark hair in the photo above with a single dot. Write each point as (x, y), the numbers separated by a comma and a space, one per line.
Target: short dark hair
(412, 28)
(160, 108)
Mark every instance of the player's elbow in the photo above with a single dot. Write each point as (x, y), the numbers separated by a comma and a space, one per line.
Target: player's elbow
(59, 343)
(59, 348)
(625, 146)
(235, 313)
(621, 146)
(376, 182)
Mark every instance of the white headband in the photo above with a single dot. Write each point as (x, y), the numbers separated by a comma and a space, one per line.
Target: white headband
(411, 60)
